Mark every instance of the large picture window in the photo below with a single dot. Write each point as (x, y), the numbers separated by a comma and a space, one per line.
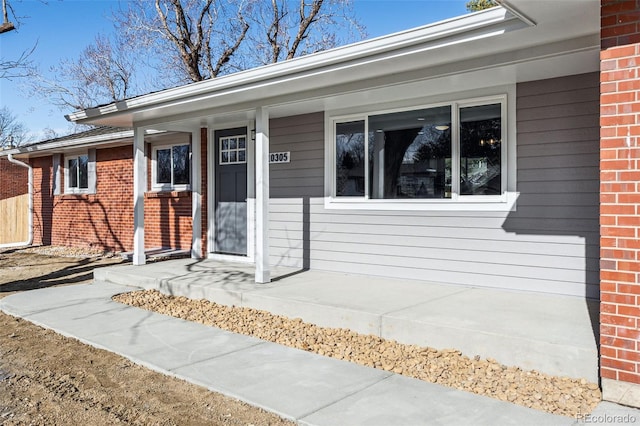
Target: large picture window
(410, 154)
(448, 152)
(171, 167)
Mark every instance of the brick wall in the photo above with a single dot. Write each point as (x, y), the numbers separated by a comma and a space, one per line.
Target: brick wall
(105, 219)
(42, 200)
(13, 179)
(167, 220)
(620, 199)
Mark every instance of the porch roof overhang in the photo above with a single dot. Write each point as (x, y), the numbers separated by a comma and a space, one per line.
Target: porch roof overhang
(74, 142)
(517, 41)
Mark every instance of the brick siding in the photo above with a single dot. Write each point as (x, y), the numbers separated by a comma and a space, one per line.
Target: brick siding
(105, 219)
(620, 191)
(13, 179)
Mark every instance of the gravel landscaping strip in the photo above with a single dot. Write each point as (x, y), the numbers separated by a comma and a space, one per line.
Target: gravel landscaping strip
(557, 395)
(60, 251)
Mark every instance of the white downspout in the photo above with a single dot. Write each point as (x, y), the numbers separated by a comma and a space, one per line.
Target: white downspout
(30, 219)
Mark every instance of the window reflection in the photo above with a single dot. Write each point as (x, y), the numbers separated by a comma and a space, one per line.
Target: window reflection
(350, 158)
(163, 161)
(73, 173)
(83, 171)
(480, 150)
(181, 164)
(410, 154)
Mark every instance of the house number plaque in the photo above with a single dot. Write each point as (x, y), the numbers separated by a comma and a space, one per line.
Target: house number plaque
(280, 157)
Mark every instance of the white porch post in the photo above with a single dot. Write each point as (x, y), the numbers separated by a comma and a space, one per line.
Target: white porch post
(139, 188)
(263, 274)
(196, 195)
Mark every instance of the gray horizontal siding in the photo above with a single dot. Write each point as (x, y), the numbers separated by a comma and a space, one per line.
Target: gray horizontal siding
(302, 135)
(550, 244)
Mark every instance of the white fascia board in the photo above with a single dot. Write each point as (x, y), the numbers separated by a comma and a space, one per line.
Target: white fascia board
(443, 32)
(57, 146)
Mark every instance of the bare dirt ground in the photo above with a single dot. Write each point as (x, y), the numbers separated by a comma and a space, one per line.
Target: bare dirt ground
(48, 379)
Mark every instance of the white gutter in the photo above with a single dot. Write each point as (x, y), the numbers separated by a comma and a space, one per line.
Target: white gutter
(30, 189)
(334, 58)
(516, 12)
(65, 144)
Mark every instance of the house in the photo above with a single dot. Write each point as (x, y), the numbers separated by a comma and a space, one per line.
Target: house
(83, 194)
(496, 149)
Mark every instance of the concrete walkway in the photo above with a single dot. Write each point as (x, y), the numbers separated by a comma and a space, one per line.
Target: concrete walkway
(298, 385)
(549, 333)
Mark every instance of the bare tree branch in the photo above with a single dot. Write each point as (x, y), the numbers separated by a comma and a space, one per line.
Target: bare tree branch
(226, 55)
(102, 73)
(273, 32)
(305, 22)
(18, 68)
(12, 132)
(314, 26)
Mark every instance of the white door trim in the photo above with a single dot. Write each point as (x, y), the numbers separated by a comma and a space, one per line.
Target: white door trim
(211, 187)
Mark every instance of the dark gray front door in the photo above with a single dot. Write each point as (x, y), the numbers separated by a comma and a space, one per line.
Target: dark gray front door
(231, 191)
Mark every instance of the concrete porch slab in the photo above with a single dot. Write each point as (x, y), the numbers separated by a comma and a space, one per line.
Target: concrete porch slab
(533, 331)
(549, 333)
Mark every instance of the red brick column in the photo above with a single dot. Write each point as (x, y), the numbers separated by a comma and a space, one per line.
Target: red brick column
(620, 201)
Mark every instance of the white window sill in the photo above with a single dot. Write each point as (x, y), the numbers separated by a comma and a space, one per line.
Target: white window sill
(168, 188)
(71, 191)
(505, 202)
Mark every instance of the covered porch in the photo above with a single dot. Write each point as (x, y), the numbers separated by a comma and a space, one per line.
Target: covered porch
(553, 334)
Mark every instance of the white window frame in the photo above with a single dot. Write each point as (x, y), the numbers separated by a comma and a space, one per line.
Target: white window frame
(236, 150)
(503, 202)
(155, 186)
(67, 178)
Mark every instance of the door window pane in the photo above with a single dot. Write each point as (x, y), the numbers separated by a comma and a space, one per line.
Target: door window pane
(410, 154)
(233, 150)
(350, 158)
(480, 150)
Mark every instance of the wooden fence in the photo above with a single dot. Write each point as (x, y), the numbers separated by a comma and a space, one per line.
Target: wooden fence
(14, 219)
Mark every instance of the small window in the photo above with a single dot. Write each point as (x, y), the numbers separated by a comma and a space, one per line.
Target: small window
(172, 167)
(233, 149)
(77, 174)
